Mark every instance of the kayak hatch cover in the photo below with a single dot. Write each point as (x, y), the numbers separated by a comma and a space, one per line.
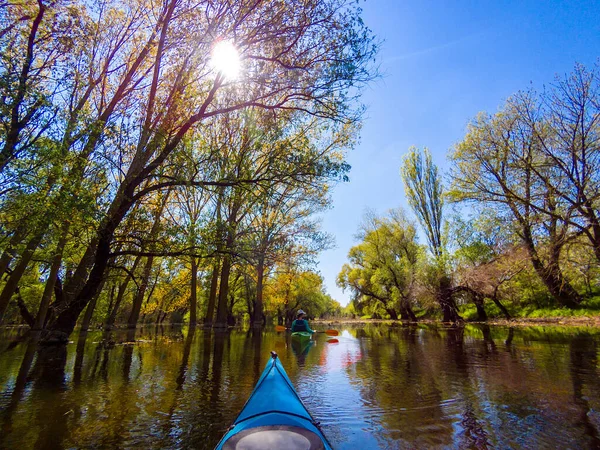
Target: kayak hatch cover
(274, 417)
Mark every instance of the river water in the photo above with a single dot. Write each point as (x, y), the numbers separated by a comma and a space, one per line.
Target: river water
(374, 387)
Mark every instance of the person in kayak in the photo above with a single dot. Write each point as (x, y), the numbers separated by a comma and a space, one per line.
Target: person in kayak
(301, 324)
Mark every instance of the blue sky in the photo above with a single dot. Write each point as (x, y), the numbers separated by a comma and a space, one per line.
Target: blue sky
(442, 63)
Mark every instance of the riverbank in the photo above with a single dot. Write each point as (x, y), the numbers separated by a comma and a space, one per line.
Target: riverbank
(578, 321)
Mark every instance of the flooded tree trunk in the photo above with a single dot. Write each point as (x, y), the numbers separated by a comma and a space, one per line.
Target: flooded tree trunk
(15, 276)
(193, 294)
(212, 295)
(257, 318)
(74, 284)
(89, 311)
(40, 319)
(112, 315)
(222, 310)
(141, 292)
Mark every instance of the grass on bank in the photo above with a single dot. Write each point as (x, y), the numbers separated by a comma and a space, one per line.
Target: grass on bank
(589, 308)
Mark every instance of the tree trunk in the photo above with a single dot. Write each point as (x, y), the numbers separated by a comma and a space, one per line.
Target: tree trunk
(40, 319)
(25, 314)
(481, 314)
(74, 285)
(193, 298)
(444, 296)
(392, 312)
(212, 296)
(110, 320)
(551, 275)
(18, 123)
(89, 312)
(501, 306)
(406, 312)
(257, 319)
(11, 250)
(221, 320)
(139, 297)
(17, 273)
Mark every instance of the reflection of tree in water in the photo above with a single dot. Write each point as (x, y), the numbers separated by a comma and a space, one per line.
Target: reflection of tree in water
(473, 420)
(584, 373)
(185, 358)
(254, 338)
(20, 385)
(417, 386)
(172, 428)
(207, 395)
(53, 410)
(128, 354)
(79, 355)
(397, 377)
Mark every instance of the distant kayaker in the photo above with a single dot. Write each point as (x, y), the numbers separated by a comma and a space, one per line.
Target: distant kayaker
(301, 324)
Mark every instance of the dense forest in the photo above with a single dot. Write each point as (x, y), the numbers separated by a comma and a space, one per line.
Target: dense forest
(167, 158)
(167, 161)
(512, 230)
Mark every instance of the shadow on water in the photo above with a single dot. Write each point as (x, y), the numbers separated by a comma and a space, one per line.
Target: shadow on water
(416, 386)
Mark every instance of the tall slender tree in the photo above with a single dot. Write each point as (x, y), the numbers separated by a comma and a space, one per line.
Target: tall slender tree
(423, 187)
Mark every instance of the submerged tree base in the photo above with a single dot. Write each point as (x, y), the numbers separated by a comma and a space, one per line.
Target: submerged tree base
(54, 337)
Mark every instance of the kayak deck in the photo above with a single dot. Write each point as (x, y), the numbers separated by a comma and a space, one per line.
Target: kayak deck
(274, 417)
(302, 334)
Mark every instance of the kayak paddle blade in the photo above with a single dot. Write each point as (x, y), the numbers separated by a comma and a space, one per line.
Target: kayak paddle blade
(332, 332)
(279, 328)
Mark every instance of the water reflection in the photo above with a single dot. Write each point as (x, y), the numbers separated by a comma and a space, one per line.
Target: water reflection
(372, 387)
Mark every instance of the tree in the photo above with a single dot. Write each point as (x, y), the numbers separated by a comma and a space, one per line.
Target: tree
(498, 164)
(312, 64)
(424, 192)
(487, 258)
(383, 266)
(291, 289)
(565, 124)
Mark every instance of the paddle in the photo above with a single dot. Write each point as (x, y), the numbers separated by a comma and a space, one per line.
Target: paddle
(327, 332)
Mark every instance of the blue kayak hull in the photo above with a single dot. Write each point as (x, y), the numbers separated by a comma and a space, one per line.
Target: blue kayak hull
(274, 417)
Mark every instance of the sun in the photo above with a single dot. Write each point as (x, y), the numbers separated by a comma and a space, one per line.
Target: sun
(226, 60)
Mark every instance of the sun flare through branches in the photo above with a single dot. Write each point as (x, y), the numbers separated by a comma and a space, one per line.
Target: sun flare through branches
(226, 60)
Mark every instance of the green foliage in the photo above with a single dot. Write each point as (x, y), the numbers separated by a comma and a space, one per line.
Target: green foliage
(424, 192)
(469, 311)
(382, 268)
